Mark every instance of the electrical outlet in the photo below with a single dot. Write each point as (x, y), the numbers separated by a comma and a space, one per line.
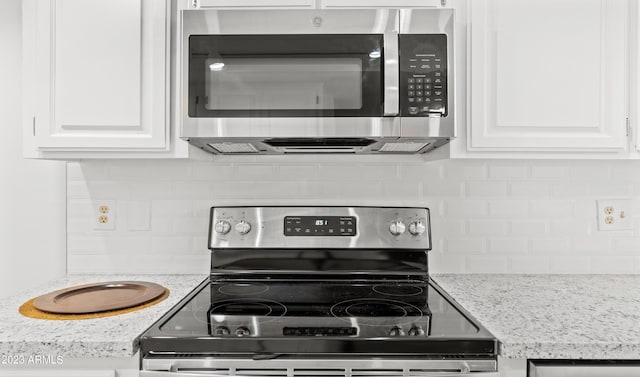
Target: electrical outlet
(614, 214)
(104, 215)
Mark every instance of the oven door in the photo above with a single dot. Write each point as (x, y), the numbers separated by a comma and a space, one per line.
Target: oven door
(215, 367)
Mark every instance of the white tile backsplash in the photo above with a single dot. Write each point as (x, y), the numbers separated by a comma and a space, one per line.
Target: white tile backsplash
(510, 171)
(508, 209)
(529, 264)
(507, 246)
(138, 215)
(487, 216)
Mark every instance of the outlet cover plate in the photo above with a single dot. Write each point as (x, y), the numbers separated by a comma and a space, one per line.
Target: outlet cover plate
(614, 214)
(105, 209)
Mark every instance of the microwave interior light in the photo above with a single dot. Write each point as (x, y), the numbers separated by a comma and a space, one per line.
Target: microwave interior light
(234, 147)
(217, 66)
(406, 147)
(375, 54)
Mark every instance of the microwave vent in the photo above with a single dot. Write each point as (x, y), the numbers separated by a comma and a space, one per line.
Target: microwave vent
(326, 142)
(227, 147)
(403, 147)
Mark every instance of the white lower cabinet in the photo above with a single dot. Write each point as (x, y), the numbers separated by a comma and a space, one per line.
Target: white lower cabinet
(37, 365)
(547, 76)
(512, 367)
(58, 373)
(96, 79)
(567, 368)
(583, 368)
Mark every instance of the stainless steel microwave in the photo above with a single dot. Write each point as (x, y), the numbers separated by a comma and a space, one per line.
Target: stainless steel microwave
(316, 81)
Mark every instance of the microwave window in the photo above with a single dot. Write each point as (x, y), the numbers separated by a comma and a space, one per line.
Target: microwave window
(276, 75)
(287, 83)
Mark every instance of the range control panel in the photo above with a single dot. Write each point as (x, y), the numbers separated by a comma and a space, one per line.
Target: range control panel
(319, 226)
(423, 75)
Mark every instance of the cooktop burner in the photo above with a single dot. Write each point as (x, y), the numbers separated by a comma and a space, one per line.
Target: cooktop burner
(398, 289)
(242, 289)
(372, 309)
(254, 308)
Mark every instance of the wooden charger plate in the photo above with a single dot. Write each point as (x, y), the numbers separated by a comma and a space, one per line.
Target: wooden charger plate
(98, 297)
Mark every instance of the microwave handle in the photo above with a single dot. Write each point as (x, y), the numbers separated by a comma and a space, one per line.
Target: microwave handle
(391, 73)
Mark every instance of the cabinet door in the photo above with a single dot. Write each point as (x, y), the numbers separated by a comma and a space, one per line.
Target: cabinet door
(634, 43)
(56, 373)
(547, 75)
(583, 368)
(96, 74)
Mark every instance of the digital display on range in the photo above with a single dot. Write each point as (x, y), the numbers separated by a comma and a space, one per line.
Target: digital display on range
(319, 226)
(319, 331)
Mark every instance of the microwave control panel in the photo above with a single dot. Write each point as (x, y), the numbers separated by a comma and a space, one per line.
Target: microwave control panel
(423, 75)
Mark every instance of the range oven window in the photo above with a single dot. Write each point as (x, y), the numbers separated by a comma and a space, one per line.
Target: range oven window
(285, 75)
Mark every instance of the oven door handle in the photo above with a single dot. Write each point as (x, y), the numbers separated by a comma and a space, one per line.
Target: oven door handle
(159, 373)
(177, 373)
(147, 373)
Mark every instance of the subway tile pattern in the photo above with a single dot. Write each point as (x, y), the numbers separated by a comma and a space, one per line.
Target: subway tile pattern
(488, 216)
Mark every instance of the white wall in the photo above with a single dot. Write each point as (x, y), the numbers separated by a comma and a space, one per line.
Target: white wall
(487, 216)
(32, 193)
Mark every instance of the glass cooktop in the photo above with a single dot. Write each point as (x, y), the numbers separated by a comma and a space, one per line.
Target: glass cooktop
(335, 316)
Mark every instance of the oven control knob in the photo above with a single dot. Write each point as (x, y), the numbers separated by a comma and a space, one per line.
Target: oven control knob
(243, 331)
(416, 331)
(222, 227)
(416, 228)
(243, 227)
(397, 227)
(221, 330)
(396, 331)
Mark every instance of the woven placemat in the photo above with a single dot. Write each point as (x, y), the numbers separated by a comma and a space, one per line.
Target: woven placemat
(28, 310)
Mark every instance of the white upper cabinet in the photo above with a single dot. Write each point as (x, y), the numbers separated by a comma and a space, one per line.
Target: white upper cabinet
(547, 76)
(634, 43)
(96, 78)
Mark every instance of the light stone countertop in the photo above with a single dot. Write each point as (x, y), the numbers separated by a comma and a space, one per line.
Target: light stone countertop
(554, 316)
(115, 336)
(533, 316)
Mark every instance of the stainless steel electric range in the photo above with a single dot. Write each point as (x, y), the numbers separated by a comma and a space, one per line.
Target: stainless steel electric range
(318, 291)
